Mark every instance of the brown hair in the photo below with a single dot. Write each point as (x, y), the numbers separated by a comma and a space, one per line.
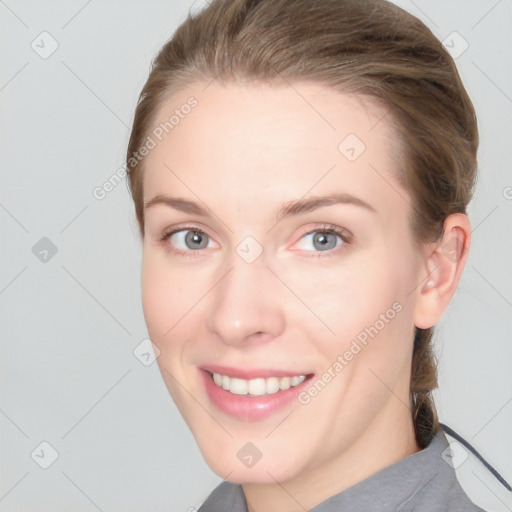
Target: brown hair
(367, 47)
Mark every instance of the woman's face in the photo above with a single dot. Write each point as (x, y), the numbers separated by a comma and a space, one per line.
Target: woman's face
(290, 256)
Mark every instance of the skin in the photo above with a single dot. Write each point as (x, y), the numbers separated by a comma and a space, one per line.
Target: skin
(243, 151)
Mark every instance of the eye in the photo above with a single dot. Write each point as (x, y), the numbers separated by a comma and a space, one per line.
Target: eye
(189, 241)
(323, 239)
(186, 240)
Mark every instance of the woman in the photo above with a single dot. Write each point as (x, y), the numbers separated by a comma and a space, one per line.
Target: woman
(300, 173)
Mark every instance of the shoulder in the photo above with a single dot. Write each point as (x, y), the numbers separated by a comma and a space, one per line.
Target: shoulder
(442, 492)
(442, 495)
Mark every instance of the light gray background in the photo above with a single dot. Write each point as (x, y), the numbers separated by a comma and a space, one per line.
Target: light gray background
(69, 325)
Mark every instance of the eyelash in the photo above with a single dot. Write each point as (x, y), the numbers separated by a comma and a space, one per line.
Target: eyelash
(327, 228)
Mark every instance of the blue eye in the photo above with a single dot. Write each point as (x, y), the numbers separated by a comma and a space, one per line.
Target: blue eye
(192, 239)
(187, 241)
(323, 239)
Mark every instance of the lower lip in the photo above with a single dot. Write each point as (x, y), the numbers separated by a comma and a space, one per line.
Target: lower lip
(248, 407)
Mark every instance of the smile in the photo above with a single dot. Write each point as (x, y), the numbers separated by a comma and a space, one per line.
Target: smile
(257, 387)
(252, 394)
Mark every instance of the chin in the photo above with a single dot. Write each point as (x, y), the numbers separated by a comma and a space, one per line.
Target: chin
(259, 462)
(258, 474)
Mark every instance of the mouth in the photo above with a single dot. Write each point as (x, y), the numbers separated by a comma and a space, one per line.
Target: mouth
(252, 395)
(256, 387)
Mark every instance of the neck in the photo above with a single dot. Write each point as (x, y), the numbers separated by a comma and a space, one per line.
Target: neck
(380, 445)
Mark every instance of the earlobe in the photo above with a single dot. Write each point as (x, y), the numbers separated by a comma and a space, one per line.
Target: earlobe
(443, 266)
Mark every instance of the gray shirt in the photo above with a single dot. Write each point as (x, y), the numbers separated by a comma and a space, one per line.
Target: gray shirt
(423, 481)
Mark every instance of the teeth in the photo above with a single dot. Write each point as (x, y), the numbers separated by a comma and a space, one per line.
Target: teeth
(237, 386)
(256, 387)
(295, 381)
(285, 383)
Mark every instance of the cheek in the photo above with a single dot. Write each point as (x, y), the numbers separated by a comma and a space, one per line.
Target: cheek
(165, 302)
(370, 309)
(164, 296)
(367, 323)
(344, 298)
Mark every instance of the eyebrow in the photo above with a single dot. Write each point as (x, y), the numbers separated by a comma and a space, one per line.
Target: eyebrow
(289, 208)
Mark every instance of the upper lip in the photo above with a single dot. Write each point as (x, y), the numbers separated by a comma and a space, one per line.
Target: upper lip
(251, 373)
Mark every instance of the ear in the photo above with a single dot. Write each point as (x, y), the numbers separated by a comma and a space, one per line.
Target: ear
(442, 267)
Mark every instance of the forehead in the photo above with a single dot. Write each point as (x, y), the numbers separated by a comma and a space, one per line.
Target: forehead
(286, 140)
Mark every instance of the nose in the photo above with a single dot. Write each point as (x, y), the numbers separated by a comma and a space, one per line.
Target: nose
(246, 306)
